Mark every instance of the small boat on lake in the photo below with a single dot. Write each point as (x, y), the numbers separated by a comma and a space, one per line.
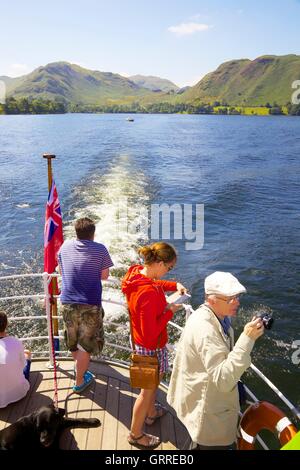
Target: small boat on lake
(130, 119)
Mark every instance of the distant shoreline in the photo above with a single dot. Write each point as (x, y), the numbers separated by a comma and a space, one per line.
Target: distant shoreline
(151, 113)
(42, 106)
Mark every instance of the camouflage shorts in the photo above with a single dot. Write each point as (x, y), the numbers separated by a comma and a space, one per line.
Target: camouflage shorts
(84, 327)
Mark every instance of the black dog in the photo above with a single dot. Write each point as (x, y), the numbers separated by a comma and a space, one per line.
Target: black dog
(41, 429)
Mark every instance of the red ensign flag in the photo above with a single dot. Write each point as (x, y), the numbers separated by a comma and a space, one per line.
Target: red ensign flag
(53, 234)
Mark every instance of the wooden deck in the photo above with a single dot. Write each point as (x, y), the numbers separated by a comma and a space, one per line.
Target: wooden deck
(110, 399)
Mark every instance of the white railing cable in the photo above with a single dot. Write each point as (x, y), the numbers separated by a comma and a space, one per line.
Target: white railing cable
(46, 279)
(273, 387)
(251, 394)
(18, 276)
(114, 302)
(124, 348)
(175, 326)
(20, 297)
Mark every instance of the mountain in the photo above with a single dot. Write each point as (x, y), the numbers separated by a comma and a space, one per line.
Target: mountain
(245, 82)
(182, 90)
(154, 83)
(71, 83)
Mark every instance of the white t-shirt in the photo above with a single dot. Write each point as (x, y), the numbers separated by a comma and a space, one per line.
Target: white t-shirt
(13, 385)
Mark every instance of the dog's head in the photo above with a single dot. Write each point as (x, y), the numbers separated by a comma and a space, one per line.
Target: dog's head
(48, 421)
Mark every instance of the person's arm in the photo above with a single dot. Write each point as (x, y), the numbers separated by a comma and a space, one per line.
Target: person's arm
(104, 274)
(106, 263)
(167, 285)
(171, 286)
(225, 369)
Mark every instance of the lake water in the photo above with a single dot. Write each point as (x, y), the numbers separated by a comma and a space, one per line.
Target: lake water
(245, 170)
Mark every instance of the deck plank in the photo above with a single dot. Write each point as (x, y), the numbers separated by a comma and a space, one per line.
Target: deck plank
(12, 412)
(124, 416)
(97, 411)
(109, 399)
(110, 425)
(168, 435)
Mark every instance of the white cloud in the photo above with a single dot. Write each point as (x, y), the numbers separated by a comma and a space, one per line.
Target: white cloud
(184, 29)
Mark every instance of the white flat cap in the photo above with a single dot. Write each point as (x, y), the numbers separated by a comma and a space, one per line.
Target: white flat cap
(223, 284)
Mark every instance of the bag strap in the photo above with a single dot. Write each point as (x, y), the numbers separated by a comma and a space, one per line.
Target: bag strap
(131, 332)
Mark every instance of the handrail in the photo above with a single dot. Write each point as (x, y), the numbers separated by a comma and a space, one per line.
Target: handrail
(16, 276)
(289, 404)
(20, 297)
(188, 309)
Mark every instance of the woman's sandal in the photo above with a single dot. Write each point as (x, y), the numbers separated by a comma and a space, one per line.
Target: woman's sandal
(160, 411)
(153, 441)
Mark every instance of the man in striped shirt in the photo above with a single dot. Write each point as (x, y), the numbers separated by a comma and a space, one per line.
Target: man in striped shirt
(83, 264)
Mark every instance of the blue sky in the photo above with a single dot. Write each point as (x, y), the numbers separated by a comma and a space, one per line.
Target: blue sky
(180, 40)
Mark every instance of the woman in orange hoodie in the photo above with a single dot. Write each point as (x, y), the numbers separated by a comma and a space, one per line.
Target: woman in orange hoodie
(150, 313)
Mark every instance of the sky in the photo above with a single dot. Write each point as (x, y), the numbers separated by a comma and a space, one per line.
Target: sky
(180, 40)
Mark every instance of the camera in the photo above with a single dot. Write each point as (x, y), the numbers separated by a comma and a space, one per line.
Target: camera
(267, 320)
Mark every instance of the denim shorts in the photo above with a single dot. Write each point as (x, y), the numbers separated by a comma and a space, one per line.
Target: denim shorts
(162, 356)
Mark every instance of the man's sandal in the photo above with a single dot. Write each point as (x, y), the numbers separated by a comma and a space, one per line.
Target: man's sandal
(153, 441)
(160, 411)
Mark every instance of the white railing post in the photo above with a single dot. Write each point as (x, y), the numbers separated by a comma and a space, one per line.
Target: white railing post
(48, 313)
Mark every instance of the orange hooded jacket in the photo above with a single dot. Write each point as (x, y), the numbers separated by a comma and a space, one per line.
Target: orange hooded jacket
(147, 306)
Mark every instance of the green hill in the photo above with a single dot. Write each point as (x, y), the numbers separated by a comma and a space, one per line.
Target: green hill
(238, 83)
(73, 84)
(154, 83)
(267, 79)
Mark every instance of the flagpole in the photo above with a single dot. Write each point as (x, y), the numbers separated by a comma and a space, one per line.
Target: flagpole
(49, 158)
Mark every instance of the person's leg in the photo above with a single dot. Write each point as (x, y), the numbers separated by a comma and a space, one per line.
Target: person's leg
(74, 354)
(82, 360)
(90, 339)
(152, 410)
(156, 411)
(26, 370)
(71, 317)
(139, 413)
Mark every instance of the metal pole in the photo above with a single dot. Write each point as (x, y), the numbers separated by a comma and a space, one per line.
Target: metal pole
(53, 300)
(49, 319)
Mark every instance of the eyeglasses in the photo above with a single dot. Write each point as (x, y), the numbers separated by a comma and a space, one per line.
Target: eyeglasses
(235, 298)
(169, 268)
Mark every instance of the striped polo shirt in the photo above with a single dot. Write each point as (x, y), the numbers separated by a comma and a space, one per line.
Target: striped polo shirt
(81, 263)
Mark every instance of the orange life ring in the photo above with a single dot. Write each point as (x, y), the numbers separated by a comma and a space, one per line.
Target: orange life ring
(264, 415)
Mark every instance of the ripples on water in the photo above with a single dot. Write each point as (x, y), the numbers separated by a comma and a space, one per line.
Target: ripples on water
(245, 170)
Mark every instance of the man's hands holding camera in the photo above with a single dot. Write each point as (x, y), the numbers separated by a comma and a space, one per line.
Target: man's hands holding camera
(255, 328)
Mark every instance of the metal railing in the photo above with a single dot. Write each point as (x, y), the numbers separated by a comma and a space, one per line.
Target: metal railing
(46, 278)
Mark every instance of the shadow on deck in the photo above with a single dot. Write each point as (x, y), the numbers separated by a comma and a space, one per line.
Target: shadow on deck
(109, 399)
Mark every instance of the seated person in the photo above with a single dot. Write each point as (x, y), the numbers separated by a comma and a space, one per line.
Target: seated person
(14, 366)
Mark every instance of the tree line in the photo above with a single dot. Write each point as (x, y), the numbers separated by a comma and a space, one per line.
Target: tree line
(42, 106)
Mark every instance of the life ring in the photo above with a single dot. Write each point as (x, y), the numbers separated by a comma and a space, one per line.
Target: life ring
(264, 415)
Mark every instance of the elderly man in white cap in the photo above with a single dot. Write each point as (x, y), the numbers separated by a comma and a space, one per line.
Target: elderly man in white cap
(208, 365)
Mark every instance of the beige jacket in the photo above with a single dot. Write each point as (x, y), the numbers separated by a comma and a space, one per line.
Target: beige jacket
(203, 386)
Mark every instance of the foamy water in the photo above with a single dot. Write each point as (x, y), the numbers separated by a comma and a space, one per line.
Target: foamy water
(245, 170)
(116, 201)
